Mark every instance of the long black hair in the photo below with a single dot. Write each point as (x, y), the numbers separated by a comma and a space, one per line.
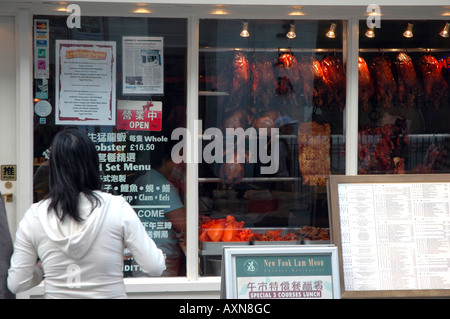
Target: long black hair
(74, 169)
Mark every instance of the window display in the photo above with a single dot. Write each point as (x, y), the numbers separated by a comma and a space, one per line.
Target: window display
(404, 92)
(123, 81)
(271, 102)
(271, 109)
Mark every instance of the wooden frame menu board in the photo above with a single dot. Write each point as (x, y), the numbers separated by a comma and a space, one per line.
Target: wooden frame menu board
(392, 234)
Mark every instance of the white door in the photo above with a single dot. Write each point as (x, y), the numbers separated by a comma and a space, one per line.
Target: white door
(8, 111)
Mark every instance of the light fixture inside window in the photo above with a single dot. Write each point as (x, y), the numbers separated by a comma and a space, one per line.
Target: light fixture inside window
(445, 33)
(244, 32)
(291, 34)
(142, 10)
(219, 10)
(370, 33)
(296, 13)
(330, 34)
(408, 33)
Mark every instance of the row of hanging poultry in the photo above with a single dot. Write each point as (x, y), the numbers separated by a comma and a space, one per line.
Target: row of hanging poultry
(257, 84)
(384, 82)
(404, 83)
(306, 81)
(256, 88)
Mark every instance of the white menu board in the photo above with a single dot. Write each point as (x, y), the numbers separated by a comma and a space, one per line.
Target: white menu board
(393, 235)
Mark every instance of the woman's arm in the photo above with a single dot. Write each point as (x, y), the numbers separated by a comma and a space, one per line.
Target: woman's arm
(24, 272)
(142, 247)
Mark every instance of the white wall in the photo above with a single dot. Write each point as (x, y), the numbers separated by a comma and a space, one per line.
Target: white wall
(8, 109)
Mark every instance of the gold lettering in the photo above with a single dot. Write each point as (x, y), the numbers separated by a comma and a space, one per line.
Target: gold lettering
(269, 263)
(299, 263)
(313, 262)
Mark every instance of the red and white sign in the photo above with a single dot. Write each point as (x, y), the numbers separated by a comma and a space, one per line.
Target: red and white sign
(139, 115)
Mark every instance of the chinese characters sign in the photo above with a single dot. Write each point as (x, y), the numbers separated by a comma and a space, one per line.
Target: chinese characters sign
(8, 172)
(284, 276)
(139, 115)
(148, 191)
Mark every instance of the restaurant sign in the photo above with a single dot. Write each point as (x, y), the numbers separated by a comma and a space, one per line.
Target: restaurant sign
(299, 272)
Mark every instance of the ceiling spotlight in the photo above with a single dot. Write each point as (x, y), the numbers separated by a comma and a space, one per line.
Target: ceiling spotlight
(330, 32)
(291, 34)
(370, 33)
(296, 13)
(142, 10)
(219, 10)
(445, 33)
(244, 32)
(408, 33)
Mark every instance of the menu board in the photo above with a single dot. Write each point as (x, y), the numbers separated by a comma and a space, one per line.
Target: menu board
(393, 233)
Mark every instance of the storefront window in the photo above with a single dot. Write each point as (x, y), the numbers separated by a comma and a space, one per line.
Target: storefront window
(404, 81)
(123, 81)
(271, 106)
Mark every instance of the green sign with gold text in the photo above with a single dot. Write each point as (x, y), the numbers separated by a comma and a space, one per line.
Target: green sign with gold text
(284, 276)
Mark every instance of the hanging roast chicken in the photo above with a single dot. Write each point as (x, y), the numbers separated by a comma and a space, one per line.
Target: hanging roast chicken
(231, 174)
(264, 81)
(266, 120)
(434, 86)
(407, 83)
(446, 73)
(288, 84)
(241, 118)
(380, 148)
(365, 84)
(236, 80)
(385, 85)
(316, 88)
(333, 70)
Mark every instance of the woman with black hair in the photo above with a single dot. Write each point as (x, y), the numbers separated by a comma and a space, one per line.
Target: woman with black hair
(79, 232)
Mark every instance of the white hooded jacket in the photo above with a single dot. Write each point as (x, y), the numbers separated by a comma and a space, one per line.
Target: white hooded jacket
(81, 259)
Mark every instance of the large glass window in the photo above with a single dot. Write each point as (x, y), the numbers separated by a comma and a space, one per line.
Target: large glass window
(404, 81)
(271, 102)
(123, 81)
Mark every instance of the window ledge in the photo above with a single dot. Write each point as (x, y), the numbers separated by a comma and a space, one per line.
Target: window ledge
(172, 284)
(163, 287)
